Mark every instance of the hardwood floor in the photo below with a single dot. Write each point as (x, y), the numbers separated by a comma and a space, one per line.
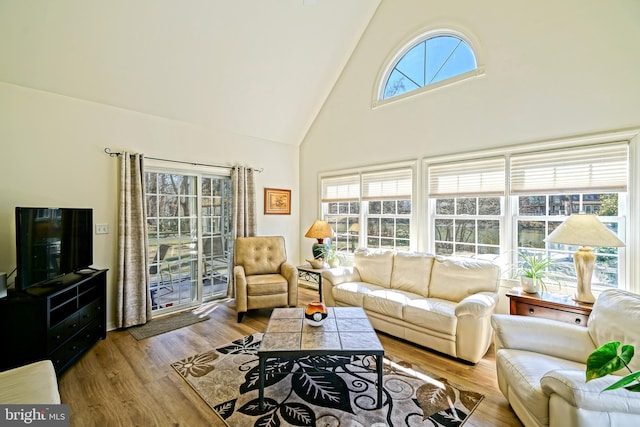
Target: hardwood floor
(124, 382)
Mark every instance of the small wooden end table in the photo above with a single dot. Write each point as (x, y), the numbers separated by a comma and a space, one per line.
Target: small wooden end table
(549, 306)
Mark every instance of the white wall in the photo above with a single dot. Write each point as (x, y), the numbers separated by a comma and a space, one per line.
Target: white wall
(52, 155)
(552, 70)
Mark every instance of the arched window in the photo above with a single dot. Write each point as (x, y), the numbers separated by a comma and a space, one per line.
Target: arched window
(432, 59)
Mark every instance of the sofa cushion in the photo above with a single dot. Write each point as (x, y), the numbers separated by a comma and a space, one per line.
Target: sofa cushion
(388, 302)
(411, 272)
(432, 313)
(267, 284)
(353, 293)
(523, 371)
(454, 279)
(374, 266)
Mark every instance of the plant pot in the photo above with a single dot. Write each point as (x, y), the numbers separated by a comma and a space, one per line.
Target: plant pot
(530, 285)
(333, 262)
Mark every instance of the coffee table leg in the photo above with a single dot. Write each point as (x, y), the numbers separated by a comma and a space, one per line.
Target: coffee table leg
(379, 362)
(261, 382)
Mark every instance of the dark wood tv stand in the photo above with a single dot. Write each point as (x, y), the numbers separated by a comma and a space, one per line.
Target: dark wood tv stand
(59, 321)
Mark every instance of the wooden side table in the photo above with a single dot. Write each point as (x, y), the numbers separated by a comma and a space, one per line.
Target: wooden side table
(549, 306)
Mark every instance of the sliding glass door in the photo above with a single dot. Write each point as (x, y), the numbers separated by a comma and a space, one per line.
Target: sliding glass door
(215, 230)
(188, 222)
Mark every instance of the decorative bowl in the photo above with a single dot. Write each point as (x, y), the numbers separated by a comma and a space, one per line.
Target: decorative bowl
(316, 263)
(316, 313)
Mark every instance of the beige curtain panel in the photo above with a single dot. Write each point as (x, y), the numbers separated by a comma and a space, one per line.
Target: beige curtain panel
(133, 305)
(243, 199)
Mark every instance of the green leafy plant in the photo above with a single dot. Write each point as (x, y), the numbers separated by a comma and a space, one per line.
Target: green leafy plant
(610, 358)
(536, 267)
(331, 254)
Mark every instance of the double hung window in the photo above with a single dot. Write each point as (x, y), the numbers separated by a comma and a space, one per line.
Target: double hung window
(547, 187)
(381, 200)
(494, 206)
(466, 204)
(341, 209)
(470, 202)
(387, 195)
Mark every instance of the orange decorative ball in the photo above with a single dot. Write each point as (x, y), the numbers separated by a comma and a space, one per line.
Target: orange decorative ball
(316, 313)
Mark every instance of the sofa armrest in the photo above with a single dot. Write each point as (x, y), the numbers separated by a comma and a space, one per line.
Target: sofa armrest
(545, 336)
(240, 280)
(473, 332)
(333, 277)
(35, 384)
(477, 305)
(290, 272)
(571, 386)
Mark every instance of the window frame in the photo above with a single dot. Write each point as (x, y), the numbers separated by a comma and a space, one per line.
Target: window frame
(199, 173)
(352, 239)
(380, 218)
(628, 272)
(422, 236)
(500, 218)
(551, 249)
(401, 51)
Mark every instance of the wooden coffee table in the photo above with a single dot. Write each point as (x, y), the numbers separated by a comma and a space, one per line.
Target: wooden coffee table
(346, 332)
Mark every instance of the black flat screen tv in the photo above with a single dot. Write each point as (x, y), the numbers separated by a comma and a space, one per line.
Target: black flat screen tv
(50, 243)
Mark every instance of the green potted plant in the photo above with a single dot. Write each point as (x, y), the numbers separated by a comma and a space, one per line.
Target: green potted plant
(610, 358)
(533, 271)
(331, 255)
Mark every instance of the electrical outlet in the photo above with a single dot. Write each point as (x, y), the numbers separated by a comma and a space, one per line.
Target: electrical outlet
(102, 229)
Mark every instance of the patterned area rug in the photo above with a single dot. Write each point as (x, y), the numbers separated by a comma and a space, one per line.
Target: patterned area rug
(322, 390)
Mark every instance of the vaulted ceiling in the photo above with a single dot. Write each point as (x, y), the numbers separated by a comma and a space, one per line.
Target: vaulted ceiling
(260, 68)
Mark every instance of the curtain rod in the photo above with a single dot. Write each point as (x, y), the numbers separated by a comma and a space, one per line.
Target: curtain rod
(116, 154)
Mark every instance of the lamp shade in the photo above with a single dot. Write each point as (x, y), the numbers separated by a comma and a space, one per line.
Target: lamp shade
(584, 230)
(320, 230)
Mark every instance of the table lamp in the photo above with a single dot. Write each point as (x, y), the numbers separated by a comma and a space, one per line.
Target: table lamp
(354, 229)
(319, 230)
(584, 230)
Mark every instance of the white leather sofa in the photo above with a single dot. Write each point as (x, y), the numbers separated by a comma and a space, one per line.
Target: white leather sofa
(541, 366)
(441, 303)
(34, 384)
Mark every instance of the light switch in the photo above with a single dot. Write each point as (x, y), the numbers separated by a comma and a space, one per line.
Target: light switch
(102, 229)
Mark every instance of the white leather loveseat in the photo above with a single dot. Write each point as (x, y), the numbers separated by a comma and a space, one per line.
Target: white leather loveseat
(541, 366)
(441, 303)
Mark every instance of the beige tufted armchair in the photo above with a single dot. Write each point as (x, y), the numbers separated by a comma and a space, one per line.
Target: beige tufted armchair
(262, 275)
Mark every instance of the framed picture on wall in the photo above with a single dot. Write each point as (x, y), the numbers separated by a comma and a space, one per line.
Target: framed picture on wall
(277, 201)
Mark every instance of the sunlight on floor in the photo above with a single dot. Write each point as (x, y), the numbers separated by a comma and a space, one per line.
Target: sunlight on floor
(208, 307)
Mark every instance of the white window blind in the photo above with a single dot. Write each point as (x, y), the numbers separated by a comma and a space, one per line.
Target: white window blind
(341, 188)
(387, 185)
(588, 168)
(485, 177)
